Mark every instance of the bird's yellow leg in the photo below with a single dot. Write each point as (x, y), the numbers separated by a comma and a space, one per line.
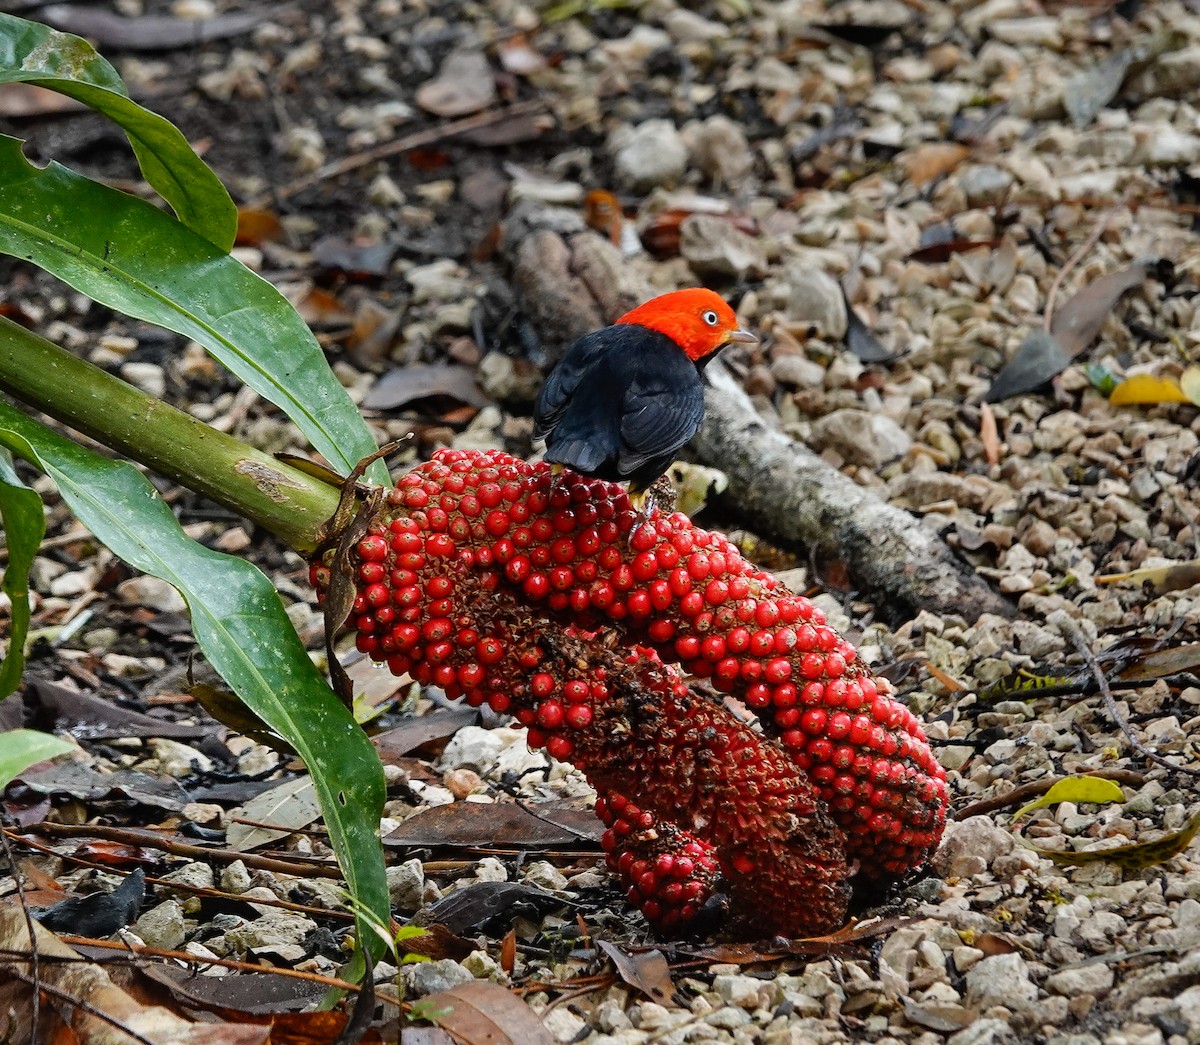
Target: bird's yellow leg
(643, 502)
(556, 474)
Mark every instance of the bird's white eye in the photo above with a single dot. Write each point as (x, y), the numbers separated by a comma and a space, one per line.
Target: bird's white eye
(711, 318)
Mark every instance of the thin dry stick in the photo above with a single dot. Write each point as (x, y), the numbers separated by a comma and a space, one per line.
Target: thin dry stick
(34, 968)
(431, 136)
(78, 1003)
(1066, 624)
(1079, 255)
(143, 950)
(154, 840)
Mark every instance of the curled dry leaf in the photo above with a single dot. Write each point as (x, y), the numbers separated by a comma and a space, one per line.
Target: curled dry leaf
(933, 160)
(483, 1013)
(1130, 857)
(646, 971)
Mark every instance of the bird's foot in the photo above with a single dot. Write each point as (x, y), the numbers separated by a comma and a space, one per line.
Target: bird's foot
(643, 502)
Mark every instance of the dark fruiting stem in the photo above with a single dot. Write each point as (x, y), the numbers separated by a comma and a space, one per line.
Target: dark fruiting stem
(288, 502)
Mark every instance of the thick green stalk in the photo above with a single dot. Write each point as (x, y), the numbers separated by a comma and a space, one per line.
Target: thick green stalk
(288, 502)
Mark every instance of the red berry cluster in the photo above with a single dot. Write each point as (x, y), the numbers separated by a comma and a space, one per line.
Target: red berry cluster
(669, 874)
(468, 530)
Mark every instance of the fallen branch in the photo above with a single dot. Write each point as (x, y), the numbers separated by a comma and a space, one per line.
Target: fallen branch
(780, 486)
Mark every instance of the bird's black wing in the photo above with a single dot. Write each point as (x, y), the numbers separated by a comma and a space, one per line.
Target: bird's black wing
(663, 407)
(580, 359)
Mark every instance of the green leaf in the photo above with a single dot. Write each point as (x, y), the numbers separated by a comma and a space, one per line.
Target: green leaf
(22, 748)
(24, 527)
(132, 257)
(36, 54)
(1093, 789)
(243, 630)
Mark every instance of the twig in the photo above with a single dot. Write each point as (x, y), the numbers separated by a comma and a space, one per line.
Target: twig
(154, 840)
(1066, 624)
(34, 968)
(1079, 254)
(430, 136)
(192, 959)
(1019, 795)
(78, 1003)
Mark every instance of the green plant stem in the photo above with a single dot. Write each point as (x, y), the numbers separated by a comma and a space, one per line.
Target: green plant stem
(290, 503)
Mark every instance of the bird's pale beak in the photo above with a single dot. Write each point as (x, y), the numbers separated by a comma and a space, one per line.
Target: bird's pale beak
(742, 337)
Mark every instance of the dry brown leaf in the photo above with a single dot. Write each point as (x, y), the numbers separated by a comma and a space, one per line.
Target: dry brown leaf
(483, 1013)
(933, 160)
(646, 971)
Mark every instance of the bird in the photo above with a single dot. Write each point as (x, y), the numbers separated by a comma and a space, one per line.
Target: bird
(623, 400)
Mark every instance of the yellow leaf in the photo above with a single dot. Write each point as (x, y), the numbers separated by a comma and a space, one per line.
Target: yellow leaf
(1189, 381)
(1146, 388)
(1131, 857)
(1093, 789)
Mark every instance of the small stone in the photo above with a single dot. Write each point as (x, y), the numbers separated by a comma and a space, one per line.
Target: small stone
(275, 930)
(483, 966)
(861, 437)
(1040, 538)
(195, 875)
(430, 977)
(162, 926)
(235, 878)
(179, 760)
(148, 377)
(648, 155)
(509, 380)
(563, 1024)
(152, 593)
(462, 782)
(985, 184)
(1086, 979)
(969, 847)
(406, 884)
(545, 875)
(813, 299)
(720, 149)
(799, 371)
(1002, 979)
(742, 991)
(715, 248)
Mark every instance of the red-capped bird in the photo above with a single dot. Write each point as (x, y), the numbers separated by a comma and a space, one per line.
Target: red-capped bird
(623, 400)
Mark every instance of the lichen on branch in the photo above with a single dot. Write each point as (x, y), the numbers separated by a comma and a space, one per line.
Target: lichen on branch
(549, 598)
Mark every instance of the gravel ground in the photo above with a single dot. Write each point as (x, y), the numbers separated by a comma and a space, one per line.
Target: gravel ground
(938, 161)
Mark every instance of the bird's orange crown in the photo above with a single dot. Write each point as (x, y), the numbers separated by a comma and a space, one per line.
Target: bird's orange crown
(697, 320)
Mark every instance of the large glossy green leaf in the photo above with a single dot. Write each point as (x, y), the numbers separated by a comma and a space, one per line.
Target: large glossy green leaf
(22, 748)
(134, 258)
(34, 53)
(244, 632)
(24, 527)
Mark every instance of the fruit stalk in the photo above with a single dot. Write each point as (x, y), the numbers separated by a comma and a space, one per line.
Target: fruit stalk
(290, 503)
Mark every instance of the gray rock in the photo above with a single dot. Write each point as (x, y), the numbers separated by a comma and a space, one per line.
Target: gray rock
(861, 437)
(509, 380)
(985, 184)
(969, 847)
(152, 593)
(406, 885)
(1086, 979)
(162, 926)
(235, 878)
(1002, 979)
(714, 248)
(746, 992)
(720, 149)
(279, 929)
(431, 977)
(799, 371)
(813, 298)
(648, 155)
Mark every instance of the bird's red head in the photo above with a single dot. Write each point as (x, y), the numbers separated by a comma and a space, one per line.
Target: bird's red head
(697, 320)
